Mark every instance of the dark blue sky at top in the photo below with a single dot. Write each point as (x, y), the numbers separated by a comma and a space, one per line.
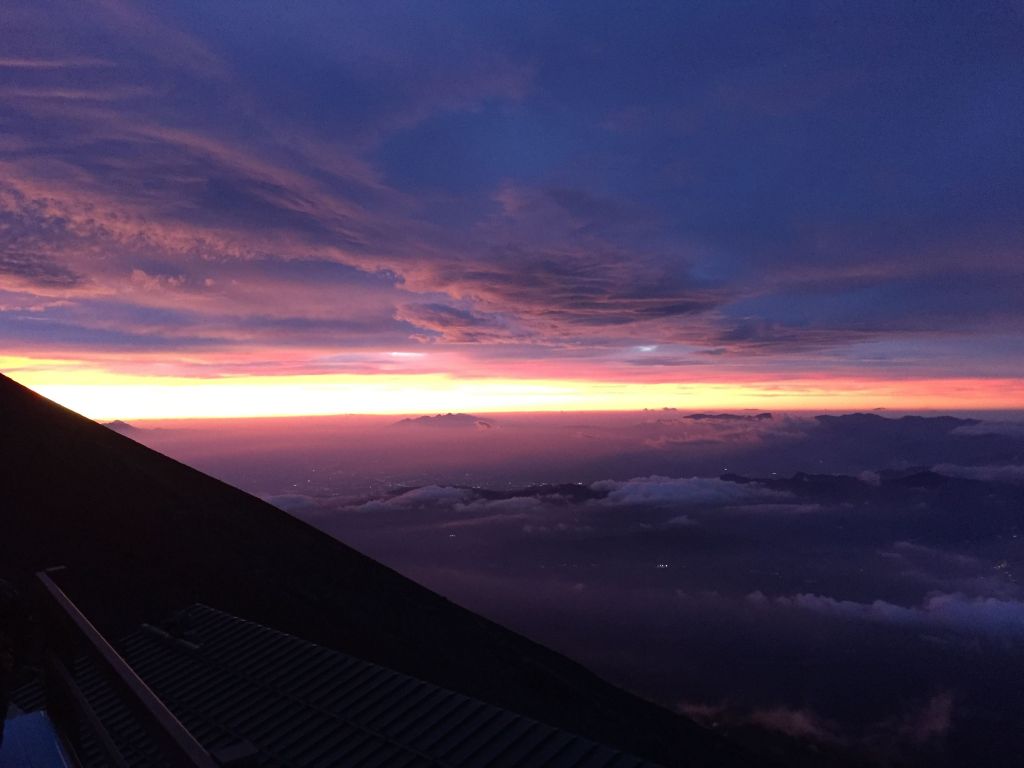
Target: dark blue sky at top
(809, 185)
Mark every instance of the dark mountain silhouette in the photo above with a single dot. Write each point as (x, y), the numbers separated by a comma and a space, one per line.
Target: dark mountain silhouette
(143, 535)
(122, 426)
(922, 426)
(728, 417)
(463, 420)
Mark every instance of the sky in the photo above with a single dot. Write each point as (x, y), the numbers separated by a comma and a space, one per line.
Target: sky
(231, 209)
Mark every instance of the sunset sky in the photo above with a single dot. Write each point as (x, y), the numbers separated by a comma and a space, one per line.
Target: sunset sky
(255, 208)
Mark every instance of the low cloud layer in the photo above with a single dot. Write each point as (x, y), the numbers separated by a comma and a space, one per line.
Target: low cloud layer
(957, 612)
(851, 582)
(431, 496)
(662, 491)
(1008, 473)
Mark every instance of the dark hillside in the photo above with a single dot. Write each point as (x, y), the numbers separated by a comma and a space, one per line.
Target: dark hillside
(143, 535)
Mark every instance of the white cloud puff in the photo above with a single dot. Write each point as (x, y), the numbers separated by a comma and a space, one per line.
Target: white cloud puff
(954, 611)
(1007, 473)
(514, 505)
(1007, 428)
(799, 723)
(658, 490)
(417, 498)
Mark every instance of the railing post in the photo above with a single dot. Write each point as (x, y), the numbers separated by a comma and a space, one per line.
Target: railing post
(58, 653)
(179, 746)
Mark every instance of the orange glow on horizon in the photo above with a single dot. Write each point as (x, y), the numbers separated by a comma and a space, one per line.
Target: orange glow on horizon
(105, 395)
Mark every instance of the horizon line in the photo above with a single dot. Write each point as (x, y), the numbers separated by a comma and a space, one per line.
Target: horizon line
(109, 397)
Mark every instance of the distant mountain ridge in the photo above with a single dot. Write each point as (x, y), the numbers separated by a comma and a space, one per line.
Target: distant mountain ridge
(451, 420)
(728, 417)
(122, 426)
(935, 424)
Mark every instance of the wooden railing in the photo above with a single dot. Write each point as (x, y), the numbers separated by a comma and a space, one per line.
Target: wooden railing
(68, 634)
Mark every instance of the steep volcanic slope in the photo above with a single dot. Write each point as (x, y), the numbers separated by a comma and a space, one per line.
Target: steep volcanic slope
(143, 535)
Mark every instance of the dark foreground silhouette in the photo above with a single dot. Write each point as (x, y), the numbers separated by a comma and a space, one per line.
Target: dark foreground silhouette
(144, 535)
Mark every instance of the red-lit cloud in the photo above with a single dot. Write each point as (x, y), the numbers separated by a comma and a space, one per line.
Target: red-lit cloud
(320, 195)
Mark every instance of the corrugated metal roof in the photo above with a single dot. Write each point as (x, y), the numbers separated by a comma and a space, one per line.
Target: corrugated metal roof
(232, 681)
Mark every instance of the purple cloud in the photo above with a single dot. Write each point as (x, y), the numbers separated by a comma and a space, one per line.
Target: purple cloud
(551, 198)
